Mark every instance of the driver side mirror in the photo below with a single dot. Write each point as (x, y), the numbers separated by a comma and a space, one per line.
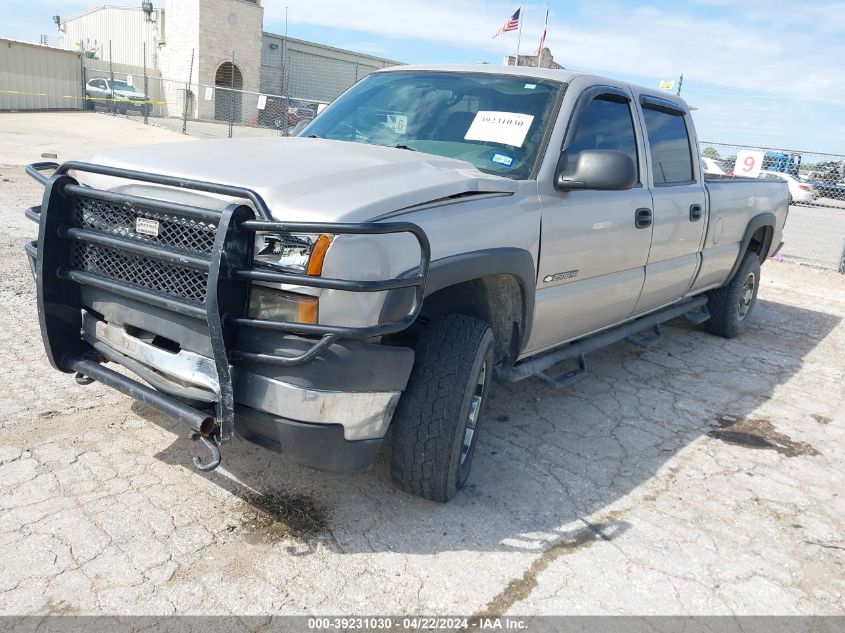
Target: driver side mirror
(600, 169)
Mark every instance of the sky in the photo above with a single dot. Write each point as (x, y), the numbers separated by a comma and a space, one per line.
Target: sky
(768, 73)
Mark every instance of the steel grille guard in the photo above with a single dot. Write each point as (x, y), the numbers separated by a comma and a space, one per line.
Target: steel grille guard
(230, 273)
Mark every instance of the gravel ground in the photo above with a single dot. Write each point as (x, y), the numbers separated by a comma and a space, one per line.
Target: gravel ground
(701, 476)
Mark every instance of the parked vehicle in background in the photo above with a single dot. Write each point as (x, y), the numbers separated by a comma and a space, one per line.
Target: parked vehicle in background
(431, 228)
(784, 162)
(830, 171)
(799, 191)
(279, 113)
(105, 93)
(711, 167)
(828, 179)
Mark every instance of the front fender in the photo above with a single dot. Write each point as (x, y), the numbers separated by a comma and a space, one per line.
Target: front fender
(464, 267)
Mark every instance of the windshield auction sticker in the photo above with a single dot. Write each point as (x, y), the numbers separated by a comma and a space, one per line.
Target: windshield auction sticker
(398, 123)
(508, 128)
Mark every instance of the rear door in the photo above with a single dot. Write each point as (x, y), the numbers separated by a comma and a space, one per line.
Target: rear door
(679, 201)
(593, 248)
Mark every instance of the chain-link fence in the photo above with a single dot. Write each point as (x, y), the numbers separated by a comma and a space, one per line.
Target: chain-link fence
(120, 89)
(140, 92)
(294, 84)
(240, 109)
(815, 228)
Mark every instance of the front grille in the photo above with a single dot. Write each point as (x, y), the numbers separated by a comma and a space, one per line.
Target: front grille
(163, 278)
(175, 233)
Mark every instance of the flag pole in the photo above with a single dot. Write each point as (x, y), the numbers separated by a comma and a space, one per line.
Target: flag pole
(519, 37)
(543, 41)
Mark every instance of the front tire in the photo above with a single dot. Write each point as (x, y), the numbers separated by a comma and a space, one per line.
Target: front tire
(435, 428)
(731, 305)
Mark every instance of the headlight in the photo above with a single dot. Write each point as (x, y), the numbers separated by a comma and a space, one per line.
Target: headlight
(301, 253)
(277, 305)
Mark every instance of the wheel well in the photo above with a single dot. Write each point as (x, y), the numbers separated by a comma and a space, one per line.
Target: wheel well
(761, 241)
(497, 299)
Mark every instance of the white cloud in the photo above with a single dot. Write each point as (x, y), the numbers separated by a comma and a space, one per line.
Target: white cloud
(763, 47)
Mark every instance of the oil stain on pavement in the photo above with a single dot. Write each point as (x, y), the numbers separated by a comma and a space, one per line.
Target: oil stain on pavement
(273, 515)
(520, 588)
(758, 433)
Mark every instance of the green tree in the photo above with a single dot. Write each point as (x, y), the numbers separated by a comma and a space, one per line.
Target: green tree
(710, 152)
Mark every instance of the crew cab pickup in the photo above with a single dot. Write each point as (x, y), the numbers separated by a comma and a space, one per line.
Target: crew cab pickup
(433, 228)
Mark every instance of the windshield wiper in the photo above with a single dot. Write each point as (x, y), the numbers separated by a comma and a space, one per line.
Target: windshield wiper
(312, 136)
(408, 147)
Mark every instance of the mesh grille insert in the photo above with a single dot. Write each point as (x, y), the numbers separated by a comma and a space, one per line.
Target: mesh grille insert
(174, 231)
(161, 277)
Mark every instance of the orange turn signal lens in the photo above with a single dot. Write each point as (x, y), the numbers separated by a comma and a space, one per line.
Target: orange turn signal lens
(318, 255)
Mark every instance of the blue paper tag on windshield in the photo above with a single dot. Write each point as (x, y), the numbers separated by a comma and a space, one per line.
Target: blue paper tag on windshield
(502, 159)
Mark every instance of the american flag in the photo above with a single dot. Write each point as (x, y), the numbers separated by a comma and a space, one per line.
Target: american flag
(511, 25)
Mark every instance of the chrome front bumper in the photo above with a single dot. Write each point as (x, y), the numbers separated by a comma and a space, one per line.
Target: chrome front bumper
(364, 415)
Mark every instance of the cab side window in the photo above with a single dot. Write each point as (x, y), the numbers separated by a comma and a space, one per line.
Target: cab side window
(606, 123)
(669, 146)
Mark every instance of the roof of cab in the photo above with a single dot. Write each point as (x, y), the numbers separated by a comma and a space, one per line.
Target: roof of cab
(521, 71)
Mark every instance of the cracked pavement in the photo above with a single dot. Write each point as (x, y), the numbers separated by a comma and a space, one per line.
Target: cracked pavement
(700, 476)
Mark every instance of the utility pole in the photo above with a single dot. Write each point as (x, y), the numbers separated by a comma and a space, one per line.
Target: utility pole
(286, 79)
(187, 91)
(111, 80)
(680, 83)
(146, 89)
(232, 90)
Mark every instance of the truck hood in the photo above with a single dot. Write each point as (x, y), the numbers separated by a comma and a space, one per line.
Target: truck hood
(309, 179)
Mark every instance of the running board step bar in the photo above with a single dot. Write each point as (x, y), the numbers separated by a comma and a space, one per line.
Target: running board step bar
(539, 365)
(566, 378)
(647, 341)
(697, 317)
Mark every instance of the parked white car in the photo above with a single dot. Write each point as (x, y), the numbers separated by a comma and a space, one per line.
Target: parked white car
(104, 92)
(798, 191)
(711, 167)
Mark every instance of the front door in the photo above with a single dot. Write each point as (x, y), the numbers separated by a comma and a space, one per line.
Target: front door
(592, 254)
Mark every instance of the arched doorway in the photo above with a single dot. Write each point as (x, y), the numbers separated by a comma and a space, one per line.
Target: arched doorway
(226, 102)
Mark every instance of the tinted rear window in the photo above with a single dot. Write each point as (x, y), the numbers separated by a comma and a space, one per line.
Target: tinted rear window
(671, 157)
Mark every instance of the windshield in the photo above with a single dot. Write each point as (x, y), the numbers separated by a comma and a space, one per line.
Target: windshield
(495, 122)
(122, 85)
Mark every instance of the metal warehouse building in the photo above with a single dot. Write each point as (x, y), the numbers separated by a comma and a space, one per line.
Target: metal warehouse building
(35, 77)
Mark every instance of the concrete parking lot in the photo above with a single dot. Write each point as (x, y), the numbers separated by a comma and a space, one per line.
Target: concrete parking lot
(701, 476)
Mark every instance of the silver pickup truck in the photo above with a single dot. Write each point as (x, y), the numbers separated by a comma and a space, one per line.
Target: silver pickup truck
(433, 228)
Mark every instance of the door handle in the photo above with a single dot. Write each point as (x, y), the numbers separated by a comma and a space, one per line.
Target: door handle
(642, 218)
(695, 212)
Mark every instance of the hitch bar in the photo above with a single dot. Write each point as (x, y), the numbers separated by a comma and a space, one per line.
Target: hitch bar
(201, 423)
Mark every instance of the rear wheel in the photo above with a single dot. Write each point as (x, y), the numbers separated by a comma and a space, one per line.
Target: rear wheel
(436, 425)
(731, 305)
